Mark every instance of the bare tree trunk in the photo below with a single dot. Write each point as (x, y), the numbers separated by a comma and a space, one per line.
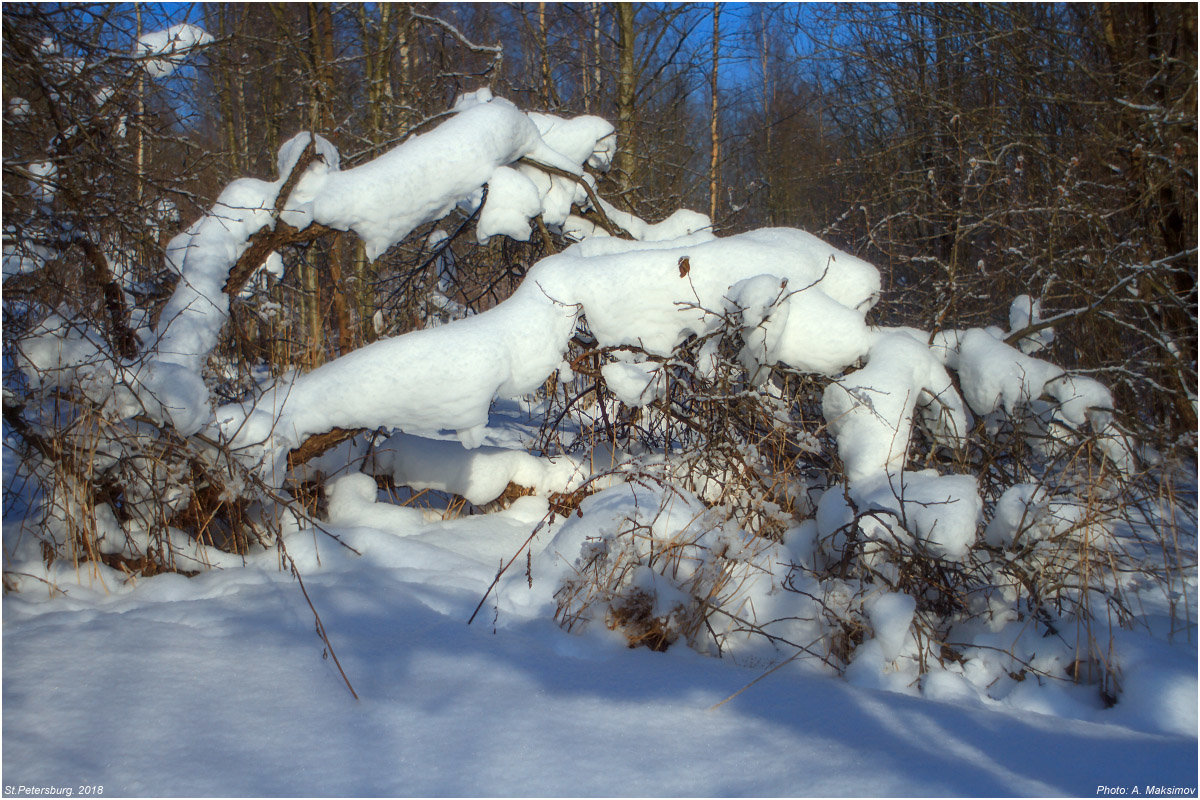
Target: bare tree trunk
(377, 68)
(320, 17)
(272, 101)
(314, 322)
(138, 131)
(767, 106)
(224, 87)
(243, 134)
(379, 72)
(626, 93)
(320, 45)
(714, 129)
(404, 98)
(341, 311)
(596, 52)
(585, 75)
(544, 48)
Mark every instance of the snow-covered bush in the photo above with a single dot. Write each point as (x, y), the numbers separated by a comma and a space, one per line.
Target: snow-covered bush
(875, 566)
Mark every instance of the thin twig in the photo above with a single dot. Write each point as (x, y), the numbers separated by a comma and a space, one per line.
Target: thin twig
(780, 665)
(504, 568)
(317, 617)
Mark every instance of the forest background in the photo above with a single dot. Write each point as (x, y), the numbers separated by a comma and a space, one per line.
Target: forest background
(971, 152)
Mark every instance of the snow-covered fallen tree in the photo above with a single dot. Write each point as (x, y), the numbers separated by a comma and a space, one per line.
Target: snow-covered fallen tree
(749, 464)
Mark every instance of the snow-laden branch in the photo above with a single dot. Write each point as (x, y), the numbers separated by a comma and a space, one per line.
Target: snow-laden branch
(162, 52)
(382, 201)
(607, 224)
(1036, 325)
(632, 293)
(457, 34)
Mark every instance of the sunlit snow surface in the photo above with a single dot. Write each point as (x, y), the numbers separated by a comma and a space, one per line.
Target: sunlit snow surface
(217, 685)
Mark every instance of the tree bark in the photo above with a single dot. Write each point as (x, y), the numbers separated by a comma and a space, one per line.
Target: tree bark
(767, 107)
(544, 48)
(626, 91)
(321, 20)
(596, 52)
(714, 122)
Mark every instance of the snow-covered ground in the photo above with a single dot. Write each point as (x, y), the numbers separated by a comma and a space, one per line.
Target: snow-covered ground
(217, 685)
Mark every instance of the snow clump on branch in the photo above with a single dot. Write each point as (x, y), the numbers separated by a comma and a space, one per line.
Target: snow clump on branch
(169, 48)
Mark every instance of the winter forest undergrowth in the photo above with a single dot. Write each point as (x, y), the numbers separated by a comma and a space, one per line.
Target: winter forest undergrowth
(453, 454)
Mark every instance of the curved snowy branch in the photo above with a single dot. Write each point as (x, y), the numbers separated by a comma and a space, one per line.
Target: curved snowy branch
(457, 34)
